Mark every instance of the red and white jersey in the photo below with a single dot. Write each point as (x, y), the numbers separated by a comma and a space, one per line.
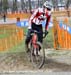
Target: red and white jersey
(38, 16)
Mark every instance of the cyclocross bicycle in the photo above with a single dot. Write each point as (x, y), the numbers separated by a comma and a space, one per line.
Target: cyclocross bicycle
(36, 55)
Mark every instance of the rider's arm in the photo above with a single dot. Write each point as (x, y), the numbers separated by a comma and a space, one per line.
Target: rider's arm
(47, 22)
(32, 17)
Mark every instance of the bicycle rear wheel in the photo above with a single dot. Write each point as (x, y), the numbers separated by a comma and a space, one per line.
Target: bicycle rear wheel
(37, 56)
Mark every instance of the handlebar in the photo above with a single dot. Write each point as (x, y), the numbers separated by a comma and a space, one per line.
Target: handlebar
(34, 31)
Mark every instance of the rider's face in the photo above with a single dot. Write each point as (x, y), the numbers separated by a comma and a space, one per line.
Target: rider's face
(46, 9)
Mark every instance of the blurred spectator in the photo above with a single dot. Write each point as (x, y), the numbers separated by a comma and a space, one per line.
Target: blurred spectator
(4, 17)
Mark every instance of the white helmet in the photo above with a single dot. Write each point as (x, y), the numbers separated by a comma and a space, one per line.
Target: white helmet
(48, 4)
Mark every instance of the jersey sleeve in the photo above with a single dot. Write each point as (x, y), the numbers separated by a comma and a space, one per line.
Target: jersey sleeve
(47, 22)
(32, 17)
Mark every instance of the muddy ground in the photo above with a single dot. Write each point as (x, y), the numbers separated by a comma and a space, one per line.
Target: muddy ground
(56, 61)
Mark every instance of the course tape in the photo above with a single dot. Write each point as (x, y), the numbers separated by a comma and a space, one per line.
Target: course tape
(25, 23)
(65, 27)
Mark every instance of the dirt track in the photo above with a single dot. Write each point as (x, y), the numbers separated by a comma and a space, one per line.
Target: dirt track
(55, 61)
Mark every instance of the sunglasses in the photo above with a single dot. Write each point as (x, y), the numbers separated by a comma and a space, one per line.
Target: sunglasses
(48, 9)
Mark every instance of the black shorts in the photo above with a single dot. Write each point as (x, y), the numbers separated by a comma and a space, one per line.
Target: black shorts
(37, 28)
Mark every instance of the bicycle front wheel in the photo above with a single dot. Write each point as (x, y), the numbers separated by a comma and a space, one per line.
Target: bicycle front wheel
(37, 55)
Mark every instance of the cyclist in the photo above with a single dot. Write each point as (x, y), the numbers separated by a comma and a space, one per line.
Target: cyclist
(35, 22)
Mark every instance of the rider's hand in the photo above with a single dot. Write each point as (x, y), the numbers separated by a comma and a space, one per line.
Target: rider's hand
(29, 27)
(46, 32)
(29, 30)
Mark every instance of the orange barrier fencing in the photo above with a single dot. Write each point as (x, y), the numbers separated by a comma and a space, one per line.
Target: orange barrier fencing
(27, 15)
(23, 15)
(62, 13)
(62, 38)
(14, 38)
(19, 15)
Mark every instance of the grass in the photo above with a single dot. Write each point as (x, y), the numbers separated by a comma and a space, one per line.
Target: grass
(49, 39)
(4, 35)
(21, 48)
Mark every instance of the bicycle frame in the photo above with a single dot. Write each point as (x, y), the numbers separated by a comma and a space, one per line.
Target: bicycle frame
(37, 56)
(34, 40)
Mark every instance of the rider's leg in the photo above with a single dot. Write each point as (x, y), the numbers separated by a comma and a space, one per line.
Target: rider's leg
(40, 39)
(27, 40)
